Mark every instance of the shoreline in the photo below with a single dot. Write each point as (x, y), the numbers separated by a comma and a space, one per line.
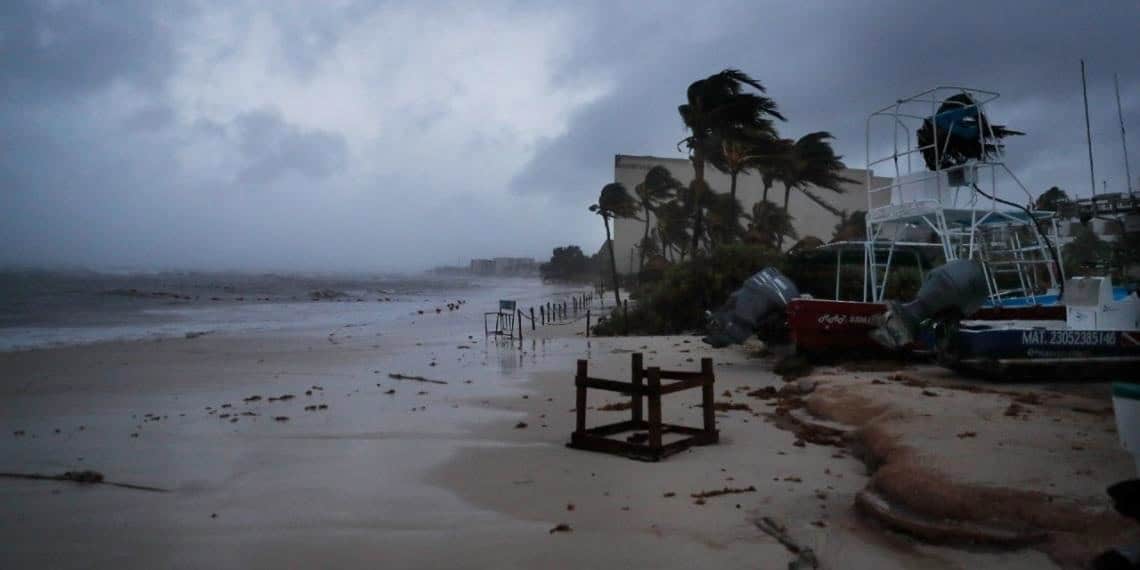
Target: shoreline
(414, 473)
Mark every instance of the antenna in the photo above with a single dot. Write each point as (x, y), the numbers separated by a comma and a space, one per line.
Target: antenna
(1123, 138)
(1088, 131)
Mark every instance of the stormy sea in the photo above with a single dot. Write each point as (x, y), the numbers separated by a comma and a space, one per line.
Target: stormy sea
(40, 309)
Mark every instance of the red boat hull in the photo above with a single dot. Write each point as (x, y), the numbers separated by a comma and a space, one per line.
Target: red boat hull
(818, 325)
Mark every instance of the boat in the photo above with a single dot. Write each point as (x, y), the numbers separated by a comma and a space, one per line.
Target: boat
(1099, 334)
(951, 198)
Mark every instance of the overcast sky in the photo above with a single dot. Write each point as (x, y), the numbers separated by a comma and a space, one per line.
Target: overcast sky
(345, 135)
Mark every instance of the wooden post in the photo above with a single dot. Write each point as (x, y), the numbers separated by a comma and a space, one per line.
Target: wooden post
(542, 313)
(625, 315)
(636, 374)
(532, 318)
(520, 318)
(587, 323)
(654, 395)
(708, 393)
(580, 401)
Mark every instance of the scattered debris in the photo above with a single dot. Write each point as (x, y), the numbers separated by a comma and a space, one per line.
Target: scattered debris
(805, 557)
(730, 406)
(765, 393)
(724, 491)
(615, 407)
(521, 425)
(792, 367)
(967, 434)
(87, 477)
(1015, 410)
(669, 494)
(907, 380)
(281, 418)
(1030, 398)
(561, 527)
(930, 393)
(396, 376)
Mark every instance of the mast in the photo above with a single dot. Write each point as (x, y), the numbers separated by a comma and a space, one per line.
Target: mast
(1123, 138)
(1088, 131)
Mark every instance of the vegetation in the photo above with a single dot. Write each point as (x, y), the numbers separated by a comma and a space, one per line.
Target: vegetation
(675, 302)
(569, 264)
(704, 243)
(658, 187)
(1051, 200)
(614, 201)
(1086, 253)
(717, 109)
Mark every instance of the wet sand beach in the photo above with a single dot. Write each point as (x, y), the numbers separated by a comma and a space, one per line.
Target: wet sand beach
(300, 450)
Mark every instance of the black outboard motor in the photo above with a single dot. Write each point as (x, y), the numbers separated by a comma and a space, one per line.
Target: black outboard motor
(763, 295)
(958, 287)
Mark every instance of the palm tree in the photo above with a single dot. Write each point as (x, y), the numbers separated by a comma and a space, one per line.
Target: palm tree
(614, 202)
(770, 225)
(851, 227)
(814, 163)
(717, 106)
(723, 218)
(658, 186)
(1051, 200)
(673, 226)
(736, 156)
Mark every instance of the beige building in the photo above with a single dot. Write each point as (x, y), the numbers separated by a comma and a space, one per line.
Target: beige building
(810, 219)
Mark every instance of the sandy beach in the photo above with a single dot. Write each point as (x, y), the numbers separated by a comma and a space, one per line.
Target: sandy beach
(299, 450)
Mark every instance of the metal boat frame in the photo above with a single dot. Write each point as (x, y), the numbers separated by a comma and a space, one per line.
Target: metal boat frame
(966, 221)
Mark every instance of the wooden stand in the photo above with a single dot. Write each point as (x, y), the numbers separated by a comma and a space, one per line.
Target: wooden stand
(651, 448)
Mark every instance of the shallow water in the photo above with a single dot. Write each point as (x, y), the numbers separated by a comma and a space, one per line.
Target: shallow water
(44, 309)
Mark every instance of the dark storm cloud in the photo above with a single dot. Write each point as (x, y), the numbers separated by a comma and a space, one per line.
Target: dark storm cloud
(272, 148)
(829, 64)
(57, 49)
(230, 133)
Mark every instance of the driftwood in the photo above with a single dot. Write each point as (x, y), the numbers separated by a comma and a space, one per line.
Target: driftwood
(805, 557)
(724, 491)
(396, 376)
(82, 477)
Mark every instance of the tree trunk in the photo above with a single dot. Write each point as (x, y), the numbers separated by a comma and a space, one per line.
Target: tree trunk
(613, 261)
(766, 187)
(644, 239)
(734, 215)
(787, 197)
(698, 187)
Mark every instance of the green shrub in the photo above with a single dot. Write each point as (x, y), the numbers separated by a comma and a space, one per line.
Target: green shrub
(677, 300)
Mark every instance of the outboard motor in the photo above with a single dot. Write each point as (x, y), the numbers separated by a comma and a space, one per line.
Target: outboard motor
(958, 287)
(762, 295)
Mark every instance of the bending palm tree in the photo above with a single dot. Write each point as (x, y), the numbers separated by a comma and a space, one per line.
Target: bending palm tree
(614, 202)
(735, 156)
(717, 107)
(814, 163)
(658, 186)
(673, 226)
(770, 225)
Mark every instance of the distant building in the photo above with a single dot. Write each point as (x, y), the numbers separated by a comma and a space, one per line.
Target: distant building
(1108, 215)
(809, 218)
(483, 266)
(504, 266)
